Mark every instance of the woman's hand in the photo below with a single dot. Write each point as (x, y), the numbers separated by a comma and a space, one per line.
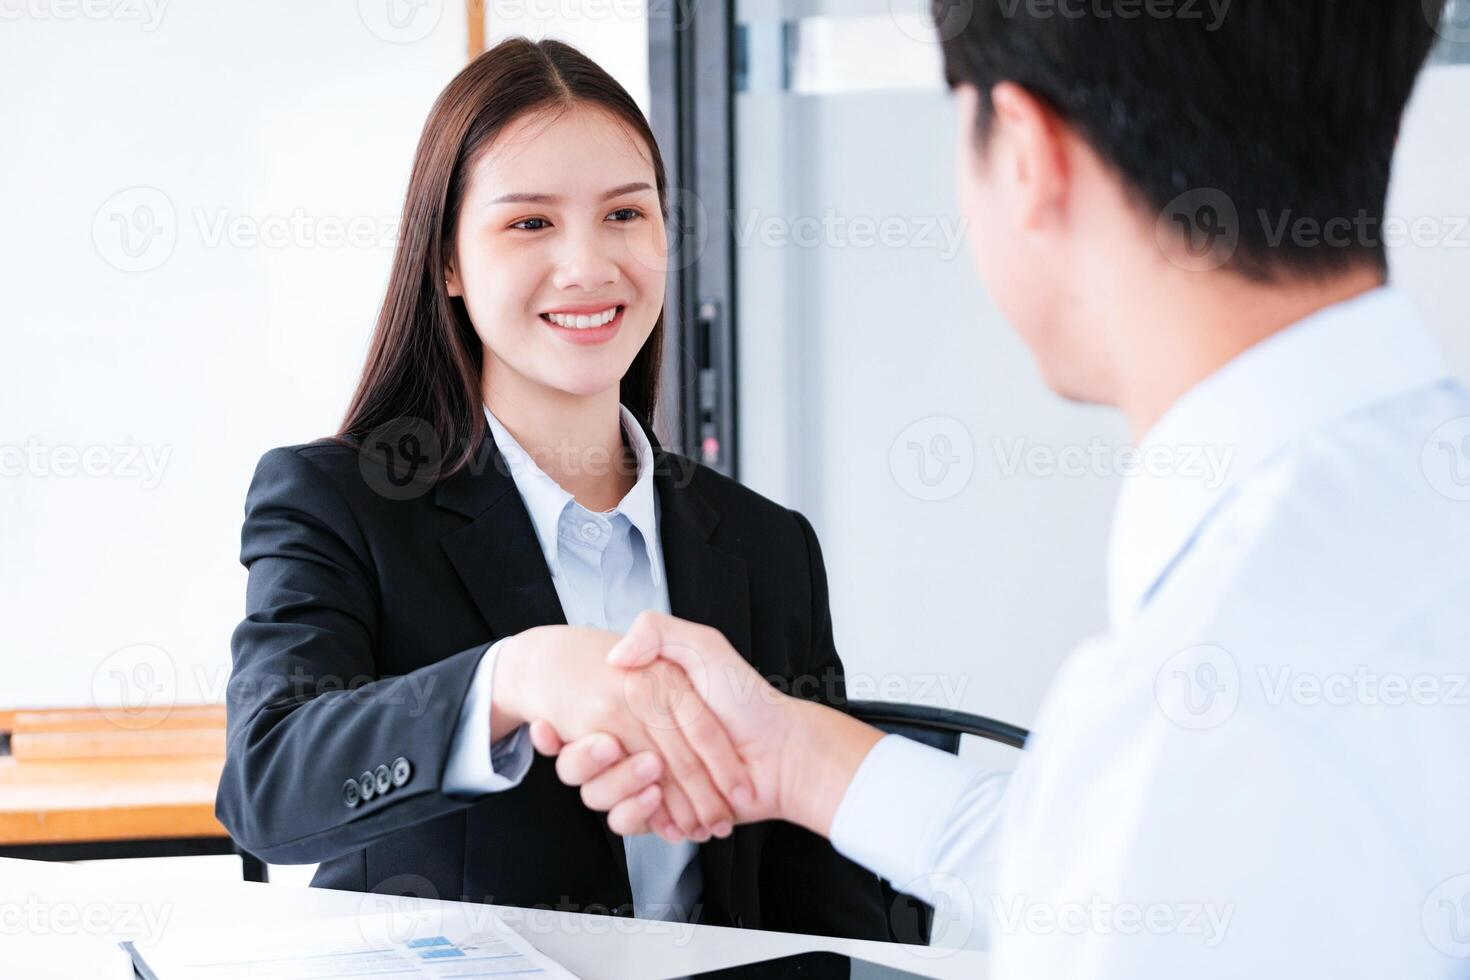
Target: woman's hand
(560, 675)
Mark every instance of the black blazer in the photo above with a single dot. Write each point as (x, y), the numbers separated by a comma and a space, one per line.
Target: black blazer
(367, 609)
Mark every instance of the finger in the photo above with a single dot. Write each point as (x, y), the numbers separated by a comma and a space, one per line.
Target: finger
(690, 794)
(588, 757)
(717, 673)
(622, 781)
(663, 824)
(706, 737)
(658, 822)
(708, 807)
(544, 738)
(716, 752)
(684, 819)
(631, 816)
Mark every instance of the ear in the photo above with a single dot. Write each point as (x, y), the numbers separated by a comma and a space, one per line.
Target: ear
(451, 281)
(1028, 143)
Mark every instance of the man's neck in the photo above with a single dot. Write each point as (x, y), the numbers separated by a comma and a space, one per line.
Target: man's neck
(1175, 340)
(577, 440)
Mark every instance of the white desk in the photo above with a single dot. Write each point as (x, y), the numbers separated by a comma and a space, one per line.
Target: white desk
(64, 921)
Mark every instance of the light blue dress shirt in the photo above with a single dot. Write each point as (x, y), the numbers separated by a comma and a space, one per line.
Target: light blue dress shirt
(1264, 768)
(607, 568)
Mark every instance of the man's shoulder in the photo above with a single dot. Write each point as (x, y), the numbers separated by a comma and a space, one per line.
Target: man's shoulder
(1374, 489)
(1351, 531)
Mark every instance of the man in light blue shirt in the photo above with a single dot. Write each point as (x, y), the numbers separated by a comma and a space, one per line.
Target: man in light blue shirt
(1261, 769)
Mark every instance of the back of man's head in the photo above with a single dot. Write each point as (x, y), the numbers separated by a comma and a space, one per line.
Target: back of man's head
(1288, 109)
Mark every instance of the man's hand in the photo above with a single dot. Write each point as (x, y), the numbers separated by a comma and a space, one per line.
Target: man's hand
(560, 675)
(800, 756)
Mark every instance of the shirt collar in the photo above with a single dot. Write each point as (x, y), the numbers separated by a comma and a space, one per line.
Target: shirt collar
(1338, 359)
(546, 500)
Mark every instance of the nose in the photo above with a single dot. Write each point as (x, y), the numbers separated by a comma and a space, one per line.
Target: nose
(584, 263)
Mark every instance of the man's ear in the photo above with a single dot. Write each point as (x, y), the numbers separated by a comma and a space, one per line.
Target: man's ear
(1028, 147)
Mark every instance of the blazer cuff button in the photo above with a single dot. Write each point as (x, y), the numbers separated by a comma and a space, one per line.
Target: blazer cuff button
(401, 771)
(383, 779)
(367, 785)
(350, 796)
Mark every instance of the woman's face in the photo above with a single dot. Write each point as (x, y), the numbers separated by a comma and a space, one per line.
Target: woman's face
(560, 252)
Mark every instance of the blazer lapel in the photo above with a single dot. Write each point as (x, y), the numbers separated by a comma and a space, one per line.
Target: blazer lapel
(709, 586)
(497, 555)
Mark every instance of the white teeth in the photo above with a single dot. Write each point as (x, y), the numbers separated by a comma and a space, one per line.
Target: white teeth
(583, 322)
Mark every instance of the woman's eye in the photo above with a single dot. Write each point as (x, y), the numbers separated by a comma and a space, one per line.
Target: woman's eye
(532, 224)
(625, 214)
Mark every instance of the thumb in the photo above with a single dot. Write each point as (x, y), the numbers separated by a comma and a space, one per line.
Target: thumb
(639, 647)
(694, 648)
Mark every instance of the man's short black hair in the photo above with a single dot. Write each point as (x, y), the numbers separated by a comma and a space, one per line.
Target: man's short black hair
(1288, 110)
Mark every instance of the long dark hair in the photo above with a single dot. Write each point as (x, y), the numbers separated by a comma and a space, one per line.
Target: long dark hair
(425, 359)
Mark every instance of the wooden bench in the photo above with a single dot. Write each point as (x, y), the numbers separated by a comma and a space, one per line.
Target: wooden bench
(89, 783)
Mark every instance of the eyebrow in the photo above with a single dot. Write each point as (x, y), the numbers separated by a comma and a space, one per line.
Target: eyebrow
(536, 198)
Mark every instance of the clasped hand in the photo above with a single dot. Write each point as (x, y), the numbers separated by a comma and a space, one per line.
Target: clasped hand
(666, 728)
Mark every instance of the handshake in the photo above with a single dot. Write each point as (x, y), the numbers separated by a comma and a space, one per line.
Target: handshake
(669, 730)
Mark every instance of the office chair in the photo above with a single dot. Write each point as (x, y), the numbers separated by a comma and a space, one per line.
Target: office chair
(910, 920)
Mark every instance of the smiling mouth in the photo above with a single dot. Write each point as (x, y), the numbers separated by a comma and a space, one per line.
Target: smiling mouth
(590, 321)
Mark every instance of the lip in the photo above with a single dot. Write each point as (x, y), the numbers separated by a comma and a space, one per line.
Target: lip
(592, 335)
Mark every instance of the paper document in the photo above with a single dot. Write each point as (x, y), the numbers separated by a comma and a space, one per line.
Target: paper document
(428, 941)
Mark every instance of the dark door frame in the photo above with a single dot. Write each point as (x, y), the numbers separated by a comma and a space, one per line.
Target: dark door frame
(691, 61)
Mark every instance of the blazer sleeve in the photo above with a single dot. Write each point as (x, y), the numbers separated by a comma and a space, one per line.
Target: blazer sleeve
(806, 886)
(307, 710)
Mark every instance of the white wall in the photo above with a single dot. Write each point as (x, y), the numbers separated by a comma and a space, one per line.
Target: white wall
(231, 122)
(1431, 189)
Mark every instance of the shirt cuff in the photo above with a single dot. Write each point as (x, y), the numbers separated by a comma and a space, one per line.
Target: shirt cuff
(896, 810)
(476, 766)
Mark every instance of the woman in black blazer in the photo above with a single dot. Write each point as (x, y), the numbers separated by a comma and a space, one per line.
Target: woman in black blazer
(388, 563)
